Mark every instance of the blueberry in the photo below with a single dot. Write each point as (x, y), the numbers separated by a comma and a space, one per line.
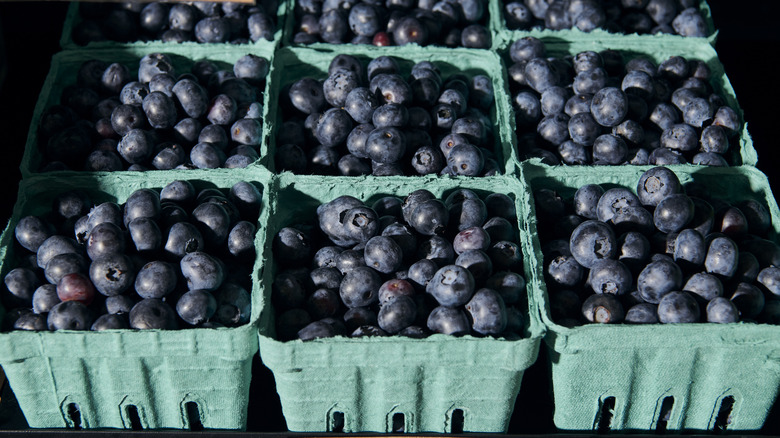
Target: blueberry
(110, 322)
(540, 74)
(448, 321)
(213, 222)
(234, 305)
(609, 106)
(31, 322)
(360, 103)
(451, 285)
(726, 118)
(438, 249)
(56, 245)
(429, 217)
(152, 313)
(202, 271)
(656, 184)
(642, 313)
(584, 130)
(586, 200)
(722, 257)
(603, 308)
(391, 88)
(657, 279)
(196, 306)
(589, 82)
(690, 23)
(704, 285)
(591, 241)
(183, 238)
(396, 314)
(390, 115)
(477, 262)
(421, 272)
(288, 291)
(69, 315)
(360, 287)
(488, 312)
(554, 129)
(155, 279)
(610, 277)
(63, 264)
(749, 300)
(472, 238)
(465, 160)
(119, 304)
(44, 298)
(306, 96)
(673, 213)
(678, 307)
(359, 224)
(722, 310)
(31, 232)
(386, 145)
(22, 283)
(609, 149)
(527, 48)
(160, 110)
(260, 26)
(528, 108)
(613, 201)
(383, 254)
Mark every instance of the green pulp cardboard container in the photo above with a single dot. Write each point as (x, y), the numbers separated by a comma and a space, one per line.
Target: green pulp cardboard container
(694, 377)
(657, 49)
(73, 18)
(149, 379)
(498, 27)
(292, 22)
(292, 64)
(437, 384)
(65, 66)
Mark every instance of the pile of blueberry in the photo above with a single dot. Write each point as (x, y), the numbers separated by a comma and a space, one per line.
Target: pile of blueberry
(657, 255)
(110, 120)
(678, 17)
(410, 267)
(451, 23)
(204, 22)
(363, 120)
(594, 108)
(165, 259)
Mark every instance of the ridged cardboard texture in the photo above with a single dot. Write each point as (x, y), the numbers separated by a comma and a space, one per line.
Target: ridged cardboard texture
(291, 64)
(658, 49)
(368, 381)
(158, 372)
(498, 27)
(73, 18)
(696, 369)
(65, 66)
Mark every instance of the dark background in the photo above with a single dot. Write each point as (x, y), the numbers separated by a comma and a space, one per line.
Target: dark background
(748, 46)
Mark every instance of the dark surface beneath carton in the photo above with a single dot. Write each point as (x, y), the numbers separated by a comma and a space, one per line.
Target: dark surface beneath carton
(748, 44)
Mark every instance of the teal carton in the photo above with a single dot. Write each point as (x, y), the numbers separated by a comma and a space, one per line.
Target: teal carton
(701, 377)
(499, 27)
(130, 379)
(65, 67)
(293, 23)
(74, 18)
(292, 64)
(385, 384)
(657, 49)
